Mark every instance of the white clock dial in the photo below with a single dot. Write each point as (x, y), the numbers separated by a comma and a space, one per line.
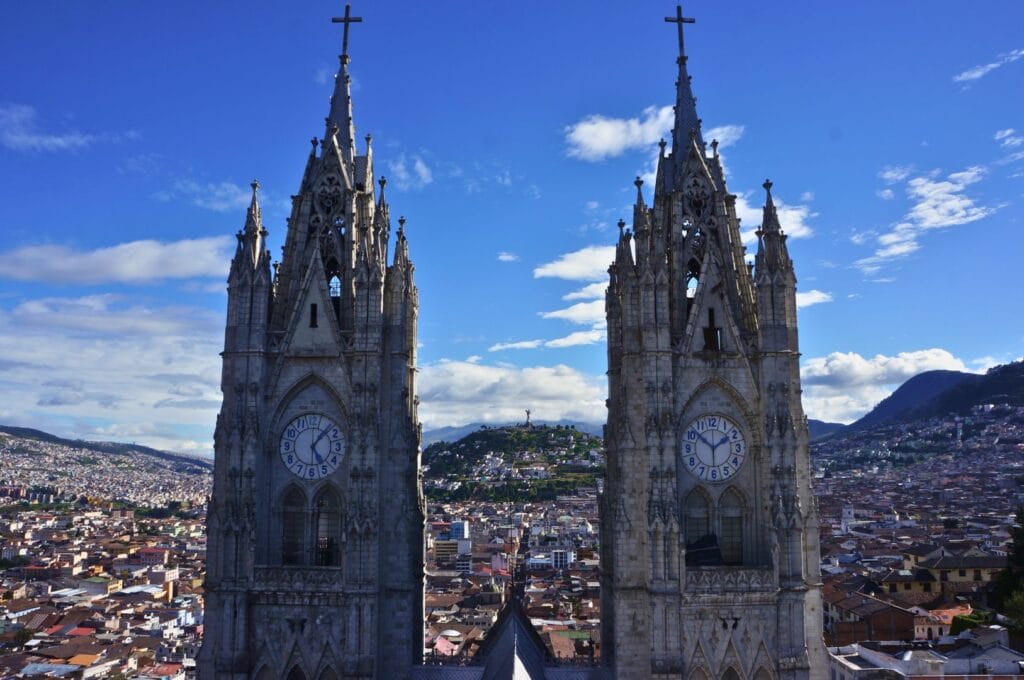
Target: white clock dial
(312, 446)
(713, 448)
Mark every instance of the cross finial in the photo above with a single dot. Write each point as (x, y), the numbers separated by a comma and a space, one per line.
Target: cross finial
(679, 20)
(347, 20)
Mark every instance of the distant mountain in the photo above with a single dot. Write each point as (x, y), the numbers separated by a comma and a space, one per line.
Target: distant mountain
(819, 428)
(454, 433)
(938, 393)
(911, 398)
(108, 447)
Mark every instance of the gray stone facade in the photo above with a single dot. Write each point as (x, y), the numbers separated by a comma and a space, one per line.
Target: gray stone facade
(315, 527)
(710, 557)
(710, 562)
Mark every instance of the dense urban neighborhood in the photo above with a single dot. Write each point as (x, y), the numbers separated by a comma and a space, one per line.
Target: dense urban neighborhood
(103, 554)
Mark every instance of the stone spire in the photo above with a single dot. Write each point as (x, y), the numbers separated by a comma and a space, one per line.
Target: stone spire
(772, 253)
(686, 119)
(341, 101)
(252, 238)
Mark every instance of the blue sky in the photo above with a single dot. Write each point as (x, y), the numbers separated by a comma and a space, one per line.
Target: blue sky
(510, 135)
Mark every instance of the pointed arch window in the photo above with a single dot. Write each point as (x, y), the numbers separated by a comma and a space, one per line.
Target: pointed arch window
(692, 278)
(730, 519)
(327, 529)
(265, 674)
(698, 674)
(328, 674)
(334, 286)
(730, 674)
(296, 674)
(293, 511)
(762, 674)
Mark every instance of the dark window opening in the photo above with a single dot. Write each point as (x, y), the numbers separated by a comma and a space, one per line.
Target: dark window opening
(977, 574)
(312, 316)
(712, 334)
(892, 587)
(927, 587)
(327, 529)
(292, 528)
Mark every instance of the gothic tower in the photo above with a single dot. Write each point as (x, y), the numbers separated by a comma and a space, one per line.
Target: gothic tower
(709, 529)
(315, 527)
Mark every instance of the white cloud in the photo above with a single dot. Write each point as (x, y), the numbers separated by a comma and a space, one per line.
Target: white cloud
(1009, 138)
(886, 194)
(132, 262)
(843, 386)
(140, 372)
(792, 218)
(458, 392)
(19, 131)
(507, 257)
(216, 196)
(594, 291)
(587, 264)
(589, 313)
(938, 203)
(727, 135)
(323, 75)
(577, 338)
(807, 196)
(891, 174)
(410, 172)
(597, 137)
(982, 70)
(521, 344)
(812, 297)
(849, 369)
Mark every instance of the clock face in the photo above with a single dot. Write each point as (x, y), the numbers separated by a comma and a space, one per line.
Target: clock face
(312, 446)
(713, 448)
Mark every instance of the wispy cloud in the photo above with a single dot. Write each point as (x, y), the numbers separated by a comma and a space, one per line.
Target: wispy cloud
(20, 131)
(891, 174)
(580, 313)
(1009, 138)
(586, 264)
(937, 203)
(505, 256)
(134, 262)
(217, 196)
(812, 297)
(598, 137)
(982, 70)
(410, 172)
(519, 344)
(727, 135)
(594, 291)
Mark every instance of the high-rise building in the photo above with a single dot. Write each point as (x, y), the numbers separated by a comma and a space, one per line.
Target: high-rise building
(710, 556)
(315, 556)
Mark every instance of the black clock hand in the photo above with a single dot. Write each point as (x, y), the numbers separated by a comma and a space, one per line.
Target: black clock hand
(312, 447)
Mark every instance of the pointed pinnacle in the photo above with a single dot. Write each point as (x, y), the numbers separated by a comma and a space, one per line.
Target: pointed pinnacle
(622, 225)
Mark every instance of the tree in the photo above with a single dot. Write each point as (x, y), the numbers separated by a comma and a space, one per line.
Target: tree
(1014, 610)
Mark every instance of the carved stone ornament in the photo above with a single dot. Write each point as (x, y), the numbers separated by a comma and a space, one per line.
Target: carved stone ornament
(328, 195)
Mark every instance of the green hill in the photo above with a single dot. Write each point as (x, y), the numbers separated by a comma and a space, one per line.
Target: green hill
(527, 463)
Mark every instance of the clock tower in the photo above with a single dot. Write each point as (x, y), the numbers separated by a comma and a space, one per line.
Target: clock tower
(710, 553)
(315, 526)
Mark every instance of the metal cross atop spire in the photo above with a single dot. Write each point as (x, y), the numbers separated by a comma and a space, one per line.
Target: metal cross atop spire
(679, 20)
(347, 19)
